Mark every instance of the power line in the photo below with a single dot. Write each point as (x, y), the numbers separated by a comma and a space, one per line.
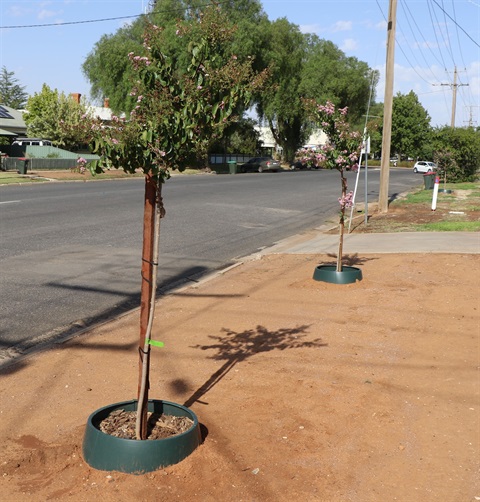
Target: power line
(458, 38)
(448, 42)
(406, 9)
(69, 23)
(435, 33)
(476, 43)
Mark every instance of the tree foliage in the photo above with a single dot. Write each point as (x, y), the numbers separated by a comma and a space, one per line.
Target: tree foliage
(458, 151)
(11, 92)
(410, 125)
(55, 116)
(280, 104)
(307, 67)
(178, 112)
(239, 137)
(328, 74)
(301, 66)
(107, 67)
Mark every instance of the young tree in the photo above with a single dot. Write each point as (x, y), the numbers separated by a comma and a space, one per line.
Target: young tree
(55, 116)
(342, 153)
(110, 74)
(177, 111)
(11, 93)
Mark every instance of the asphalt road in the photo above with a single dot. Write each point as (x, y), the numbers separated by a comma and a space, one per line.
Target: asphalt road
(70, 252)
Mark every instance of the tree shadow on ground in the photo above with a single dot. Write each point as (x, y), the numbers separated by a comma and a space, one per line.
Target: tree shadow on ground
(234, 347)
(349, 260)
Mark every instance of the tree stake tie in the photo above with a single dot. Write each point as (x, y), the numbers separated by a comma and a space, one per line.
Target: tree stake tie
(155, 343)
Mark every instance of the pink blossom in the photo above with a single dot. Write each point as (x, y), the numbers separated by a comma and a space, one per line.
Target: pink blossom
(346, 200)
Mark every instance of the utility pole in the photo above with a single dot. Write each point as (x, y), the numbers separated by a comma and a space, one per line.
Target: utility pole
(387, 108)
(470, 120)
(454, 87)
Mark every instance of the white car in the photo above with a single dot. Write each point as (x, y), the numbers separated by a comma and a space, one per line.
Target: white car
(423, 166)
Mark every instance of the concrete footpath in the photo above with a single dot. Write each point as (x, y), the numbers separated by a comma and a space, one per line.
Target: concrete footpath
(402, 242)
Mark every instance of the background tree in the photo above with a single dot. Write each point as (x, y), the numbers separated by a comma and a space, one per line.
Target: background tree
(374, 128)
(410, 125)
(328, 74)
(463, 144)
(307, 67)
(447, 168)
(11, 92)
(280, 105)
(109, 71)
(55, 116)
(239, 137)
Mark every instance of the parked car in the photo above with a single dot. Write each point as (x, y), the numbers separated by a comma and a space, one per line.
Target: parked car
(32, 142)
(298, 165)
(260, 164)
(422, 166)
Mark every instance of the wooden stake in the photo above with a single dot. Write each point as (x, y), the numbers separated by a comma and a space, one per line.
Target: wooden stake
(147, 288)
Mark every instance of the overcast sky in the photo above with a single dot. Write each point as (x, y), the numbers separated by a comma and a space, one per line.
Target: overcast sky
(47, 42)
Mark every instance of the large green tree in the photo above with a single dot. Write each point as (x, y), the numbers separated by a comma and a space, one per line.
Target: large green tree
(56, 116)
(280, 105)
(328, 74)
(410, 125)
(305, 66)
(11, 92)
(108, 69)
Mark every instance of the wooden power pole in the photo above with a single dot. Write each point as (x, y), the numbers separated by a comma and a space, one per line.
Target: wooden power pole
(387, 109)
(454, 87)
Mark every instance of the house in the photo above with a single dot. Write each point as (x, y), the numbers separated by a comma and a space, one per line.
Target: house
(11, 122)
(317, 138)
(104, 113)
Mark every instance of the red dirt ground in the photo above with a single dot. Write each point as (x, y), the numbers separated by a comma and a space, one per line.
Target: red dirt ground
(308, 391)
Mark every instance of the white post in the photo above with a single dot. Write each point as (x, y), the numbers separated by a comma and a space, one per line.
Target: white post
(435, 192)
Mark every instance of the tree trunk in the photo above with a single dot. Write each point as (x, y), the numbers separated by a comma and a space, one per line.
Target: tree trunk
(342, 223)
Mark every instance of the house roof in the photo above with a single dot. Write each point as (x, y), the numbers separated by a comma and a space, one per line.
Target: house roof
(3, 132)
(11, 122)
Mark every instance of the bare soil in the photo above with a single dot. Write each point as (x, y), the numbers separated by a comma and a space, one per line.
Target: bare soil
(305, 390)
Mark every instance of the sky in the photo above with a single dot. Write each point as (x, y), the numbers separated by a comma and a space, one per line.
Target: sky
(47, 42)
